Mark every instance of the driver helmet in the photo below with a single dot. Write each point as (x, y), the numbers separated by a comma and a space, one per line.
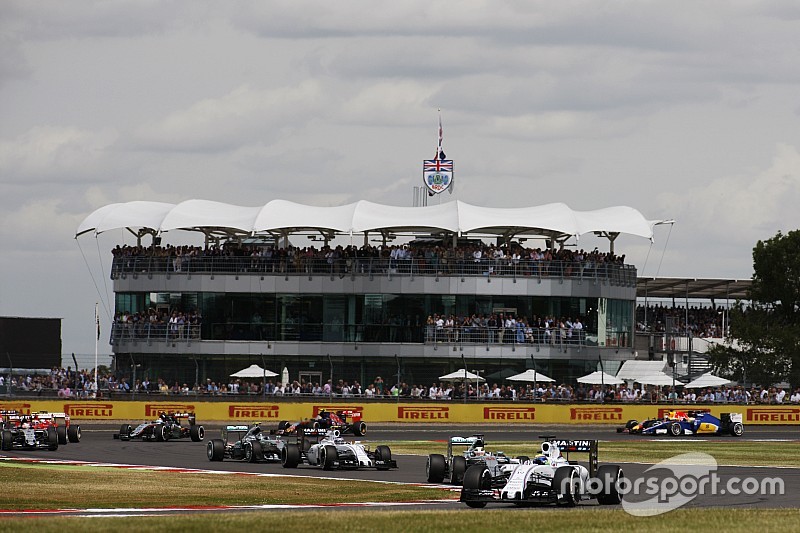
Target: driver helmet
(540, 460)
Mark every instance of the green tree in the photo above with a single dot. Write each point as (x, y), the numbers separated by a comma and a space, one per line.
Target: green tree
(767, 332)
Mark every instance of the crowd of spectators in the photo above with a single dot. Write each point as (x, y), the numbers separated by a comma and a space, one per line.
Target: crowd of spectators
(68, 383)
(699, 321)
(158, 323)
(503, 328)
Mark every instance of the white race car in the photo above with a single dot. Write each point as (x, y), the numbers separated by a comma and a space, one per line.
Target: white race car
(549, 477)
(327, 448)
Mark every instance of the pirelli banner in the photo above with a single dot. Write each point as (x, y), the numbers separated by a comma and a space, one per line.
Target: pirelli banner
(437, 412)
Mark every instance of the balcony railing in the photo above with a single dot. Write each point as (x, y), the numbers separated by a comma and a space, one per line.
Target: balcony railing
(613, 273)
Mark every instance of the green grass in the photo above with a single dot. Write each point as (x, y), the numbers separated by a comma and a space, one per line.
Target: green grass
(724, 451)
(364, 520)
(43, 486)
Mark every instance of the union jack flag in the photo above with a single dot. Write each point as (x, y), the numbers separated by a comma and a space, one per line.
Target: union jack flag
(437, 165)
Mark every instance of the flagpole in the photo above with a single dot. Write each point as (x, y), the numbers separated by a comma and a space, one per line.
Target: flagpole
(96, 347)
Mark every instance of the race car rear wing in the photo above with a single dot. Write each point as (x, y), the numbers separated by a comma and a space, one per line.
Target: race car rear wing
(576, 446)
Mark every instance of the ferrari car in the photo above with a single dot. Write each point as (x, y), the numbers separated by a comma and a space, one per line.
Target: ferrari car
(167, 426)
(550, 477)
(451, 467)
(245, 443)
(327, 449)
(25, 432)
(346, 421)
(677, 423)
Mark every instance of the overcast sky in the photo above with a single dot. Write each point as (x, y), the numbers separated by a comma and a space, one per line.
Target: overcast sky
(683, 110)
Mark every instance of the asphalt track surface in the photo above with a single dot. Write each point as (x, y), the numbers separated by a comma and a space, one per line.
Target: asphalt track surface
(98, 445)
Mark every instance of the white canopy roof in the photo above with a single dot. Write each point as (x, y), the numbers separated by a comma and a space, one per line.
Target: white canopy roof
(462, 374)
(531, 376)
(658, 379)
(551, 219)
(707, 380)
(638, 370)
(254, 371)
(600, 378)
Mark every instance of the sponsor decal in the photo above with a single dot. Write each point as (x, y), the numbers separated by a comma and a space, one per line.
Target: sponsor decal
(254, 410)
(509, 413)
(90, 410)
(784, 415)
(335, 408)
(423, 413)
(154, 409)
(21, 408)
(664, 411)
(598, 414)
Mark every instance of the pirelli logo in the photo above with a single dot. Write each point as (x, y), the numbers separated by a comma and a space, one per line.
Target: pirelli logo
(663, 411)
(334, 408)
(777, 415)
(21, 408)
(423, 413)
(253, 411)
(154, 409)
(596, 414)
(509, 413)
(90, 410)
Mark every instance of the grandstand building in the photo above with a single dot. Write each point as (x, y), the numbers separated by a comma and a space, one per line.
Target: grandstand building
(358, 303)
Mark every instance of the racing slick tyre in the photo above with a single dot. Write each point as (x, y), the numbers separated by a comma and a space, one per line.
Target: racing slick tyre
(283, 424)
(435, 468)
(7, 440)
(609, 476)
(737, 429)
(215, 450)
(383, 453)
(523, 459)
(290, 456)
(197, 433)
(74, 433)
(675, 429)
(477, 477)
(328, 457)
(61, 431)
(457, 471)
(566, 482)
(159, 433)
(249, 452)
(52, 439)
(359, 429)
(630, 424)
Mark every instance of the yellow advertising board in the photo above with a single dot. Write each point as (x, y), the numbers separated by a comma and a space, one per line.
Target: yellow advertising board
(408, 412)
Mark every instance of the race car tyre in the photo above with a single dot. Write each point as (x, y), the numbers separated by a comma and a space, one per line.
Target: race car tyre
(197, 433)
(7, 440)
(215, 450)
(158, 433)
(52, 439)
(566, 481)
(383, 453)
(61, 432)
(609, 476)
(315, 425)
(435, 468)
(523, 459)
(249, 454)
(737, 429)
(290, 456)
(328, 457)
(477, 477)
(630, 424)
(74, 433)
(283, 424)
(675, 429)
(359, 429)
(457, 472)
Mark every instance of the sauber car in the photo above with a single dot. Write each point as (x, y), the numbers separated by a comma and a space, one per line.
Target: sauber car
(347, 422)
(677, 423)
(245, 443)
(327, 449)
(26, 432)
(167, 426)
(66, 431)
(451, 467)
(550, 477)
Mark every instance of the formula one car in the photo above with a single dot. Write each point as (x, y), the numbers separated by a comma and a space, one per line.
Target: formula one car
(245, 443)
(327, 448)
(345, 421)
(677, 423)
(548, 478)
(66, 432)
(25, 432)
(452, 467)
(167, 426)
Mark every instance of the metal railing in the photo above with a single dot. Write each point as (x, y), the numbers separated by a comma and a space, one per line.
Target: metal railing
(613, 273)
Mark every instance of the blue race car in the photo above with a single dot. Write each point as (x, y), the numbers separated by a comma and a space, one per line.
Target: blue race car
(677, 423)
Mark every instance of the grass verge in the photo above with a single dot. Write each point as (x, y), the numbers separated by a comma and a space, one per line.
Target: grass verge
(725, 452)
(506, 520)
